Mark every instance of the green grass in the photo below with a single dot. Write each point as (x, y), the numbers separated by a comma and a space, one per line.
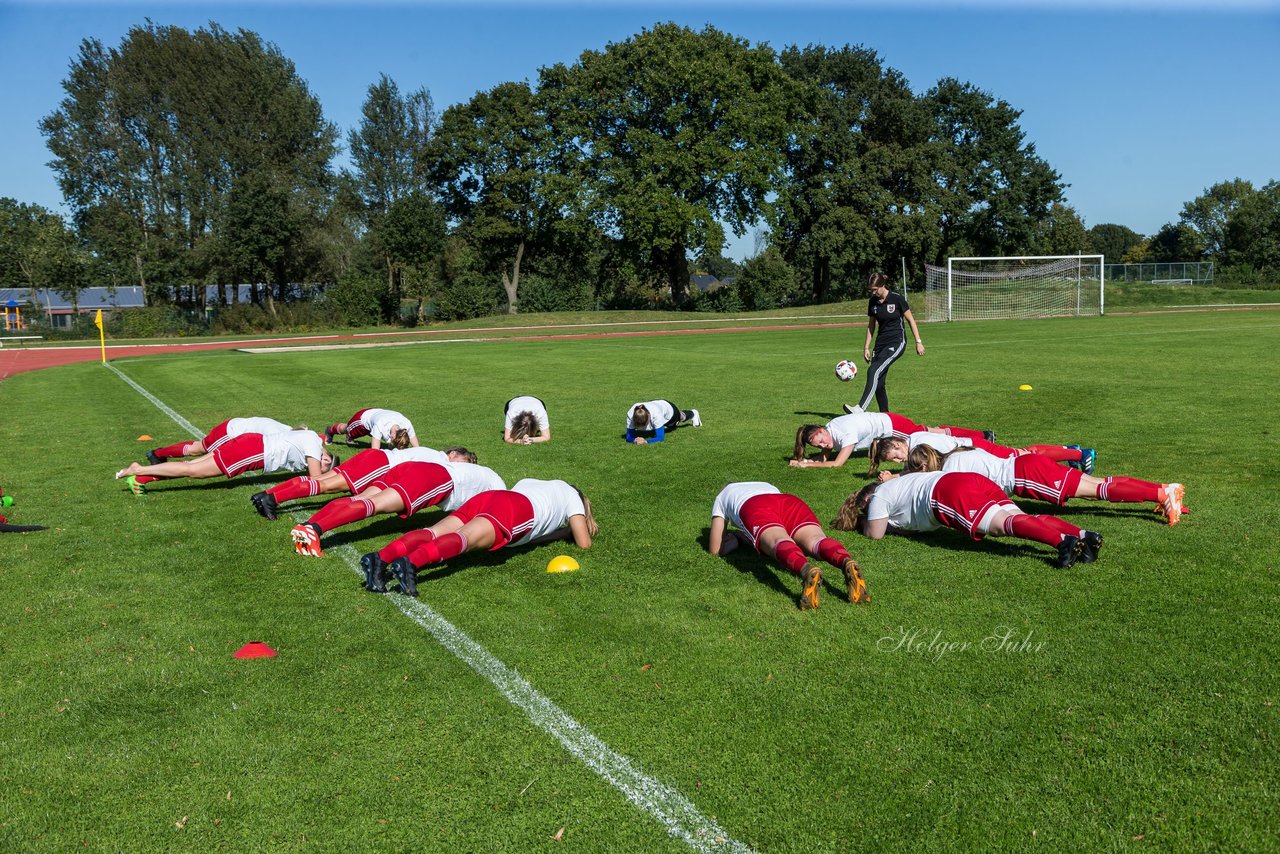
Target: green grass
(1142, 707)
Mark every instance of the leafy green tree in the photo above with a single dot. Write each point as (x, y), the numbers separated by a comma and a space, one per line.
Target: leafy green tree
(390, 152)
(152, 138)
(1175, 242)
(1253, 231)
(993, 190)
(1114, 241)
(1061, 232)
(413, 233)
(858, 181)
(768, 281)
(38, 249)
(674, 132)
(502, 180)
(1209, 213)
(717, 265)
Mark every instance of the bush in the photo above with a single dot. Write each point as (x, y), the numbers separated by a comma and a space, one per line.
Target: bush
(767, 281)
(153, 321)
(357, 300)
(1246, 276)
(469, 295)
(723, 299)
(542, 293)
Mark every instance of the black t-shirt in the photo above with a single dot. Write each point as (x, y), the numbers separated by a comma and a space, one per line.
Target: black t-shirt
(888, 317)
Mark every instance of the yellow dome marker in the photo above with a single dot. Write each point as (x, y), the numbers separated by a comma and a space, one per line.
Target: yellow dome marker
(1024, 387)
(562, 563)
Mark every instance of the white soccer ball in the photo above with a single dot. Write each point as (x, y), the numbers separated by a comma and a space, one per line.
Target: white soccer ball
(846, 370)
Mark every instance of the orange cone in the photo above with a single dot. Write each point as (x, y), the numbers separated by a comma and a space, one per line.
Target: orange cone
(255, 649)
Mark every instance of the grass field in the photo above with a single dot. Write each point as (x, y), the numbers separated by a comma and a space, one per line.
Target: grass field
(1132, 703)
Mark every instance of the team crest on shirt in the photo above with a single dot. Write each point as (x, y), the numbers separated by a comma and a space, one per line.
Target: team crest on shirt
(890, 308)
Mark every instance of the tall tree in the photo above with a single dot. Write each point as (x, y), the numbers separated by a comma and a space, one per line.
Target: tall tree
(1113, 241)
(858, 180)
(1253, 231)
(676, 131)
(1175, 242)
(1209, 213)
(152, 137)
(993, 188)
(390, 153)
(1061, 232)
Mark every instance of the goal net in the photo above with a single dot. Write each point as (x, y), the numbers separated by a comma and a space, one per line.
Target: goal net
(1030, 286)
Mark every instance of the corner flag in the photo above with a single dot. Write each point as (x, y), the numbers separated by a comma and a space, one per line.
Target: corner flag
(102, 334)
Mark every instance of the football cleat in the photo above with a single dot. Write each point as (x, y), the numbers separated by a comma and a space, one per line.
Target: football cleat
(265, 504)
(135, 487)
(328, 435)
(1090, 545)
(696, 420)
(1076, 464)
(851, 409)
(375, 573)
(1171, 495)
(405, 574)
(855, 583)
(154, 458)
(1068, 552)
(812, 577)
(1088, 456)
(306, 539)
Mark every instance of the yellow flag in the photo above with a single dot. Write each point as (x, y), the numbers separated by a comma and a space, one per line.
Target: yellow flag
(97, 320)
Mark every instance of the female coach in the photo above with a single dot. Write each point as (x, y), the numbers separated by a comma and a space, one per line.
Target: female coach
(886, 310)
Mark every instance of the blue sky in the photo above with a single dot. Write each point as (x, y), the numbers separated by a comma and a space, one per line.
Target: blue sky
(1140, 105)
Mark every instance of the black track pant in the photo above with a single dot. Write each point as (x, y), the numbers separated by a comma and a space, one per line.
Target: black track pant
(878, 372)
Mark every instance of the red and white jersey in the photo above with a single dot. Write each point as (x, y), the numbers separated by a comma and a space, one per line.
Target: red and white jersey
(289, 451)
(940, 442)
(660, 412)
(988, 465)
(380, 421)
(554, 501)
(859, 430)
(527, 403)
(469, 480)
(265, 426)
(906, 501)
(415, 455)
(728, 503)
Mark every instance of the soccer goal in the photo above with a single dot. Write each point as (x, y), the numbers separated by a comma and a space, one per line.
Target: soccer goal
(1029, 286)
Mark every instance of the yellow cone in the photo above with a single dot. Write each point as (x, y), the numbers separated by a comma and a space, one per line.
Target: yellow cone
(1024, 387)
(562, 563)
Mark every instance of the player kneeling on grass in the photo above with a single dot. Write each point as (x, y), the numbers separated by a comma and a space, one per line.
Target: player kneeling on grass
(530, 513)
(784, 528)
(649, 421)
(856, 431)
(525, 421)
(224, 432)
(296, 450)
(1032, 476)
(964, 501)
(352, 476)
(404, 489)
(382, 426)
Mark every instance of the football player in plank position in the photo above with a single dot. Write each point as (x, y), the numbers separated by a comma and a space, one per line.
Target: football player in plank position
(893, 447)
(525, 421)
(964, 501)
(857, 430)
(782, 527)
(382, 426)
(648, 421)
(1028, 475)
(352, 476)
(404, 489)
(530, 513)
(296, 450)
(228, 429)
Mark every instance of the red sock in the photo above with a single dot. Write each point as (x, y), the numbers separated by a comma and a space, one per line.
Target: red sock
(174, 450)
(1128, 490)
(403, 545)
(438, 550)
(1057, 453)
(144, 478)
(790, 556)
(342, 511)
(1037, 528)
(963, 432)
(294, 487)
(832, 551)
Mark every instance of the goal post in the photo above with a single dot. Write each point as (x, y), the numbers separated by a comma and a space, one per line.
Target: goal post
(1015, 287)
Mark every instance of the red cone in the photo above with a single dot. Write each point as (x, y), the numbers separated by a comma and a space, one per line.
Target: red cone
(255, 649)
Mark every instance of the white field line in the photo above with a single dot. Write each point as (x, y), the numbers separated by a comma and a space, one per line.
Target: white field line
(673, 810)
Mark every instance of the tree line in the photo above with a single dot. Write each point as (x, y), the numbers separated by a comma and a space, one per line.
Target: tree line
(201, 158)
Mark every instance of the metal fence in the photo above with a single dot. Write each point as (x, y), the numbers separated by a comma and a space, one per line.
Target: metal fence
(1164, 273)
